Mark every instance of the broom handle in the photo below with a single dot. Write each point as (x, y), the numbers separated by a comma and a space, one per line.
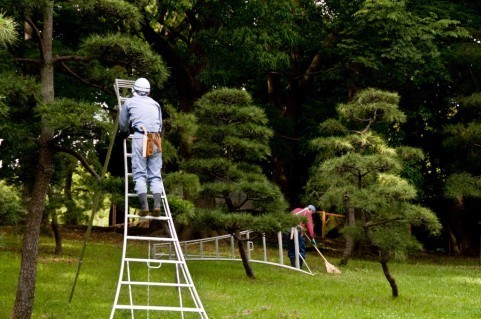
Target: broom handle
(302, 210)
(320, 253)
(316, 248)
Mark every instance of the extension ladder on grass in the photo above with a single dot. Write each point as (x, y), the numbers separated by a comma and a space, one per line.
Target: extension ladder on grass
(146, 282)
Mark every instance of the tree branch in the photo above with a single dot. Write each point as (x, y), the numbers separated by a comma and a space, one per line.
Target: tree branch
(38, 35)
(242, 204)
(82, 160)
(72, 58)
(295, 139)
(245, 239)
(382, 222)
(316, 61)
(37, 61)
(78, 77)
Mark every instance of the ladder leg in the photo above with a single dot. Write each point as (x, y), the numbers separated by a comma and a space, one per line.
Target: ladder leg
(130, 290)
(179, 289)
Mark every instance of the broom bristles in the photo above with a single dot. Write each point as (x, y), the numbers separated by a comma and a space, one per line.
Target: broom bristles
(331, 269)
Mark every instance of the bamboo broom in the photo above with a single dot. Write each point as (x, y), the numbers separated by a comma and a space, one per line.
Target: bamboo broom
(330, 268)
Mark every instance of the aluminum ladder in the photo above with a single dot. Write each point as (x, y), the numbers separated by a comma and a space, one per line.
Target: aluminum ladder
(150, 284)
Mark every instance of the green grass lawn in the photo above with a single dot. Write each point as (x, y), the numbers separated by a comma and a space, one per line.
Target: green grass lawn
(434, 287)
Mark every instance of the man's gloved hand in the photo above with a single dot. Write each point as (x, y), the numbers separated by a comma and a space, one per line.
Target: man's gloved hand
(313, 242)
(124, 135)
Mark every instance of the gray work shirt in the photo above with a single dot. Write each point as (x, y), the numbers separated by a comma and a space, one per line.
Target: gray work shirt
(140, 110)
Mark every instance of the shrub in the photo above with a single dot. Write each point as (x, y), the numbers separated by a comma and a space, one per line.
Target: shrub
(11, 209)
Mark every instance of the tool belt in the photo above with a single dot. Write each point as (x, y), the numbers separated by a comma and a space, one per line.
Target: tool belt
(153, 139)
(150, 140)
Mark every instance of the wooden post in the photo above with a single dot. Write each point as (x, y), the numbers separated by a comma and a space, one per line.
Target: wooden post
(323, 224)
(479, 224)
(114, 215)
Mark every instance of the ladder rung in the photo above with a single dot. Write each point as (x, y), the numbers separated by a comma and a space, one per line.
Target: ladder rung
(148, 195)
(153, 261)
(148, 217)
(160, 308)
(151, 238)
(159, 284)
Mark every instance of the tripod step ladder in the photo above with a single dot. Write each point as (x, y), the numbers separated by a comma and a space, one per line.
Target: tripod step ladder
(150, 284)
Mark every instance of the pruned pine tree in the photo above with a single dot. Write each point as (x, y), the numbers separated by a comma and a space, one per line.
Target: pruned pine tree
(359, 174)
(231, 142)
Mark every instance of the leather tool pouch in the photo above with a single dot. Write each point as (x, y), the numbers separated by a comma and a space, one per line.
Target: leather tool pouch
(153, 139)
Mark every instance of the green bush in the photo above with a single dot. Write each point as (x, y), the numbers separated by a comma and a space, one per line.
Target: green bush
(11, 209)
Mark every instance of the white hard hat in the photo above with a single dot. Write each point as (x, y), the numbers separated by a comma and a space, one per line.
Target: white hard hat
(142, 85)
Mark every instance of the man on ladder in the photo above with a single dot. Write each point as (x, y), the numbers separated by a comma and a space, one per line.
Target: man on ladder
(144, 115)
(168, 271)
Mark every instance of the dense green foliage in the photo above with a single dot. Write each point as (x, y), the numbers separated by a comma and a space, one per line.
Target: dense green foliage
(232, 141)
(11, 209)
(311, 56)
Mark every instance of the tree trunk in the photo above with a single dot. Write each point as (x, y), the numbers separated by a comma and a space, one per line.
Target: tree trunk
(389, 278)
(28, 269)
(288, 103)
(454, 227)
(242, 252)
(54, 225)
(71, 216)
(454, 247)
(348, 249)
(24, 300)
(183, 76)
(116, 215)
(57, 235)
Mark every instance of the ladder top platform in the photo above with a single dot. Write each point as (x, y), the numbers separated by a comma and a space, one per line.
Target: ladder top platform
(124, 83)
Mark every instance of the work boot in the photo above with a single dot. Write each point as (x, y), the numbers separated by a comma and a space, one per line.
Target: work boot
(156, 212)
(144, 205)
(143, 212)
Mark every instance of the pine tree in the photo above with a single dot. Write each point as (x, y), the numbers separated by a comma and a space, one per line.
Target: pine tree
(360, 175)
(232, 142)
